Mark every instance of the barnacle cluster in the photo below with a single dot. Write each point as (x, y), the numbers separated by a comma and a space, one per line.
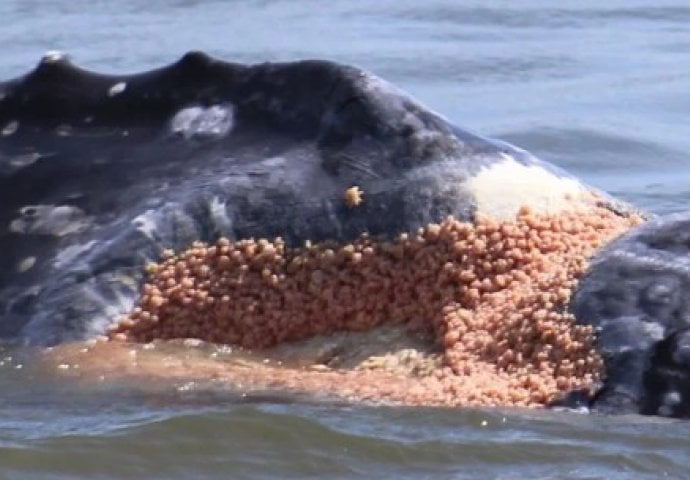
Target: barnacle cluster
(491, 294)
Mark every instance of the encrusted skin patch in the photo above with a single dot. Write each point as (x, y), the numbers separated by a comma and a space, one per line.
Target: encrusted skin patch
(491, 295)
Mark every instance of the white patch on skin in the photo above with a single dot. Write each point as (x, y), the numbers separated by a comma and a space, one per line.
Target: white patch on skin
(26, 264)
(68, 254)
(57, 220)
(53, 56)
(146, 223)
(64, 130)
(128, 282)
(665, 411)
(672, 398)
(21, 161)
(219, 215)
(117, 89)
(274, 162)
(214, 121)
(501, 189)
(113, 307)
(10, 128)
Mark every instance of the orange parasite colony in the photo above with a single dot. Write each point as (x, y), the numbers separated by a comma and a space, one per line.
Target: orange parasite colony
(491, 295)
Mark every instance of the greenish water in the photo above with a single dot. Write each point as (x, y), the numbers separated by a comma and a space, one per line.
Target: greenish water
(600, 88)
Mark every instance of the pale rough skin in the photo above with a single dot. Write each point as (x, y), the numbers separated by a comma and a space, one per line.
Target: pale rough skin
(490, 296)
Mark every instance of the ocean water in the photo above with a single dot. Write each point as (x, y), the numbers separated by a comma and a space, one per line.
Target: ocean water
(599, 88)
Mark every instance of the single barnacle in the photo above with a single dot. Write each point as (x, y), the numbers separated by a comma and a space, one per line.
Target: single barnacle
(353, 196)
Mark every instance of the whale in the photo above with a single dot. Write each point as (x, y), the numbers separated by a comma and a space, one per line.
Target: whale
(100, 174)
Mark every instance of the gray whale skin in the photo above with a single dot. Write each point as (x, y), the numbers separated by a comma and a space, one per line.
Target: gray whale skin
(99, 172)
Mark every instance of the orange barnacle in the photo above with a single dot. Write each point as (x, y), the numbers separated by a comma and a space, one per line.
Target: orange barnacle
(353, 196)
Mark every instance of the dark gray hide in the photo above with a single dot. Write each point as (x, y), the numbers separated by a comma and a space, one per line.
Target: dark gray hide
(98, 173)
(636, 295)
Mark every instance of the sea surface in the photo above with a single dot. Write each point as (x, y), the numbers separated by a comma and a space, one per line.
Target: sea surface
(601, 88)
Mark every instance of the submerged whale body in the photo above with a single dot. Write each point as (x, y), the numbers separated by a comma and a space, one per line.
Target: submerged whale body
(99, 173)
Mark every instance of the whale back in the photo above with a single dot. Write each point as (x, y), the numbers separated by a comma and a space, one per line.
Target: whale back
(99, 173)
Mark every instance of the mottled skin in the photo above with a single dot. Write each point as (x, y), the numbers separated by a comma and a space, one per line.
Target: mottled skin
(635, 294)
(99, 173)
